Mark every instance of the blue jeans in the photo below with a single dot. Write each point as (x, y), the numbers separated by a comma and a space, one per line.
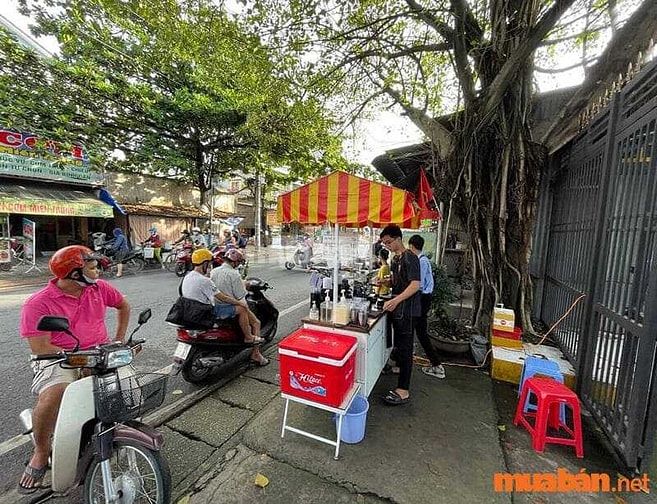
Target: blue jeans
(224, 311)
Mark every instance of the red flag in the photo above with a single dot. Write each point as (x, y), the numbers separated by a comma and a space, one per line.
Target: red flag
(425, 199)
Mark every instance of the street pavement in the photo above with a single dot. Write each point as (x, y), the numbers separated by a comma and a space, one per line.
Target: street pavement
(156, 290)
(443, 447)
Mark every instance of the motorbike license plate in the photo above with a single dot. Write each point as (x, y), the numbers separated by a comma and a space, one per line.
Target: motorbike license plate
(182, 351)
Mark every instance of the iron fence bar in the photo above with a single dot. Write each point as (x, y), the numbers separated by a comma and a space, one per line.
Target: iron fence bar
(634, 219)
(649, 440)
(646, 225)
(595, 276)
(643, 379)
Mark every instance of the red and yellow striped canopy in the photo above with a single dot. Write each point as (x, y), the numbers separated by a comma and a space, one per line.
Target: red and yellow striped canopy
(341, 198)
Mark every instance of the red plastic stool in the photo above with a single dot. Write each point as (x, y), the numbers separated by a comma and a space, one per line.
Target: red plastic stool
(550, 394)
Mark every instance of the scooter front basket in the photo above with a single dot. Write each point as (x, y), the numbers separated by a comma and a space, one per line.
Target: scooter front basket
(120, 400)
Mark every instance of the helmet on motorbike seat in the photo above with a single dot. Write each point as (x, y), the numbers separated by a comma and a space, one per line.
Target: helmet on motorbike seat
(196, 230)
(68, 259)
(184, 232)
(234, 255)
(200, 256)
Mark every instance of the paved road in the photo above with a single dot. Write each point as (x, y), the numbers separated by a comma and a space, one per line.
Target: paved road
(156, 290)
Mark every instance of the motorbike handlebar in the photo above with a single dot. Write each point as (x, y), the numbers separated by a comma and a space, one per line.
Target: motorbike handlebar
(60, 355)
(97, 351)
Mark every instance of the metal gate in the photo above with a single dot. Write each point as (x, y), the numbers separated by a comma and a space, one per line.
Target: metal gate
(601, 242)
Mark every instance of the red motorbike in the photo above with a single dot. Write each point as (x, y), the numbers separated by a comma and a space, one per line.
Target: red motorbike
(184, 260)
(201, 352)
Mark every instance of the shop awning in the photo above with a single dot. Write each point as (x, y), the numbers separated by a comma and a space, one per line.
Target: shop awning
(165, 211)
(29, 200)
(341, 198)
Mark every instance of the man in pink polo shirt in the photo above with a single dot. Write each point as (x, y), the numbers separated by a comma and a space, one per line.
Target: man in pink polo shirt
(77, 294)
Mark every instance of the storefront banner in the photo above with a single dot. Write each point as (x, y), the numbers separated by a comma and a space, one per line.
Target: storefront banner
(27, 155)
(29, 233)
(36, 168)
(55, 207)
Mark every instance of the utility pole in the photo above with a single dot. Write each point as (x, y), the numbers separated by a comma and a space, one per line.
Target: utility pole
(212, 205)
(258, 211)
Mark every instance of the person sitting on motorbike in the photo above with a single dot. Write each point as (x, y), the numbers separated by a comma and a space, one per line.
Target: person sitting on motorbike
(118, 248)
(308, 252)
(207, 236)
(229, 240)
(196, 285)
(184, 237)
(197, 239)
(77, 294)
(155, 241)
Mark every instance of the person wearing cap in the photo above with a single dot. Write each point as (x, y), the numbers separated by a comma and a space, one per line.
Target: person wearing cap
(77, 294)
(228, 282)
(196, 285)
(197, 239)
(155, 242)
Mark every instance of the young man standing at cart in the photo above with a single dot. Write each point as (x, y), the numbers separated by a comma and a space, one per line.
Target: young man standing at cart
(402, 308)
(416, 244)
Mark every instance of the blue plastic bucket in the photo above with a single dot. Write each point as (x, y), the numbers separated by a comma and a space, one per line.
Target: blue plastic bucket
(353, 424)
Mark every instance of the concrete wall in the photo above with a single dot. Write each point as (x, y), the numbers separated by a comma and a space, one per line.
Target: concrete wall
(136, 188)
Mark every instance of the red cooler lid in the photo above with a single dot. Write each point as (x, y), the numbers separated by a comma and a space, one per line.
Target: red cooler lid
(313, 343)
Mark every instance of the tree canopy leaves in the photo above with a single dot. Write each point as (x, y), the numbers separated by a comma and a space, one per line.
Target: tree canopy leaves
(177, 86)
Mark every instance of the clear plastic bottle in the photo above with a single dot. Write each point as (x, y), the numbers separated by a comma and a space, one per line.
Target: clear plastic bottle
(326, 309)
(314, 313)
(342, 312)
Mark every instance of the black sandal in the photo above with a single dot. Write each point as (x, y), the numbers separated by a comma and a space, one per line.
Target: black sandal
(394, 399)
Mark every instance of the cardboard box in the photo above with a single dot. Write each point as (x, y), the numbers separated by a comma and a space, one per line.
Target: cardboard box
(503, 318)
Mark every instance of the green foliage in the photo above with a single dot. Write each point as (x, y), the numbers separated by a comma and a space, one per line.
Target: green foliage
(178, 86)
(444, 291)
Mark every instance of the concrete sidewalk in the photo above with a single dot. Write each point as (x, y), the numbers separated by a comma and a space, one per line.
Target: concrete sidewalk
(443, 447)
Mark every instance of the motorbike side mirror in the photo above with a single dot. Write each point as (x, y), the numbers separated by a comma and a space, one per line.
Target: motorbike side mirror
(53, 324)
(144, 316)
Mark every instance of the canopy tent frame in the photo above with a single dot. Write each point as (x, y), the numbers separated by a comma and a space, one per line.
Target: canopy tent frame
(344, 199)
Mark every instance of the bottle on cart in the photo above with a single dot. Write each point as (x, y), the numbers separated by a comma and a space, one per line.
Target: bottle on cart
(342, 311)
(314, 312)
(326, 309)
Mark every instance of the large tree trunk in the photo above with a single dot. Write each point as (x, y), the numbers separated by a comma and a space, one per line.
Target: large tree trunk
(496, 167)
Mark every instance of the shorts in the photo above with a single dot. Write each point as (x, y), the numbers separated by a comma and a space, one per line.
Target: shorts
(46, 376)
(224, 311)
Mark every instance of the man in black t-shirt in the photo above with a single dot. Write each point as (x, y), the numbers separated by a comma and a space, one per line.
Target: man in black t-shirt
(403, 307)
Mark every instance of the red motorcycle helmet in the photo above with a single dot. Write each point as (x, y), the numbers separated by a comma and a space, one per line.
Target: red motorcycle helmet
(68, 259)
(234, 255)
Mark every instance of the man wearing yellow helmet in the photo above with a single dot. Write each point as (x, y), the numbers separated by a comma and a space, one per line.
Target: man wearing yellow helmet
(198, 286)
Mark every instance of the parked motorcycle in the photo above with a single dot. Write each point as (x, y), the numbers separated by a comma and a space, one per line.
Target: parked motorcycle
(200, 353)
(97, 439)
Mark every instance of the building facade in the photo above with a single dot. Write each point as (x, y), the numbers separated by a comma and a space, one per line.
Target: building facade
(51, 185)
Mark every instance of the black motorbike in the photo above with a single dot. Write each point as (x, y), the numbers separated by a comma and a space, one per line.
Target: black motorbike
(200, 353)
